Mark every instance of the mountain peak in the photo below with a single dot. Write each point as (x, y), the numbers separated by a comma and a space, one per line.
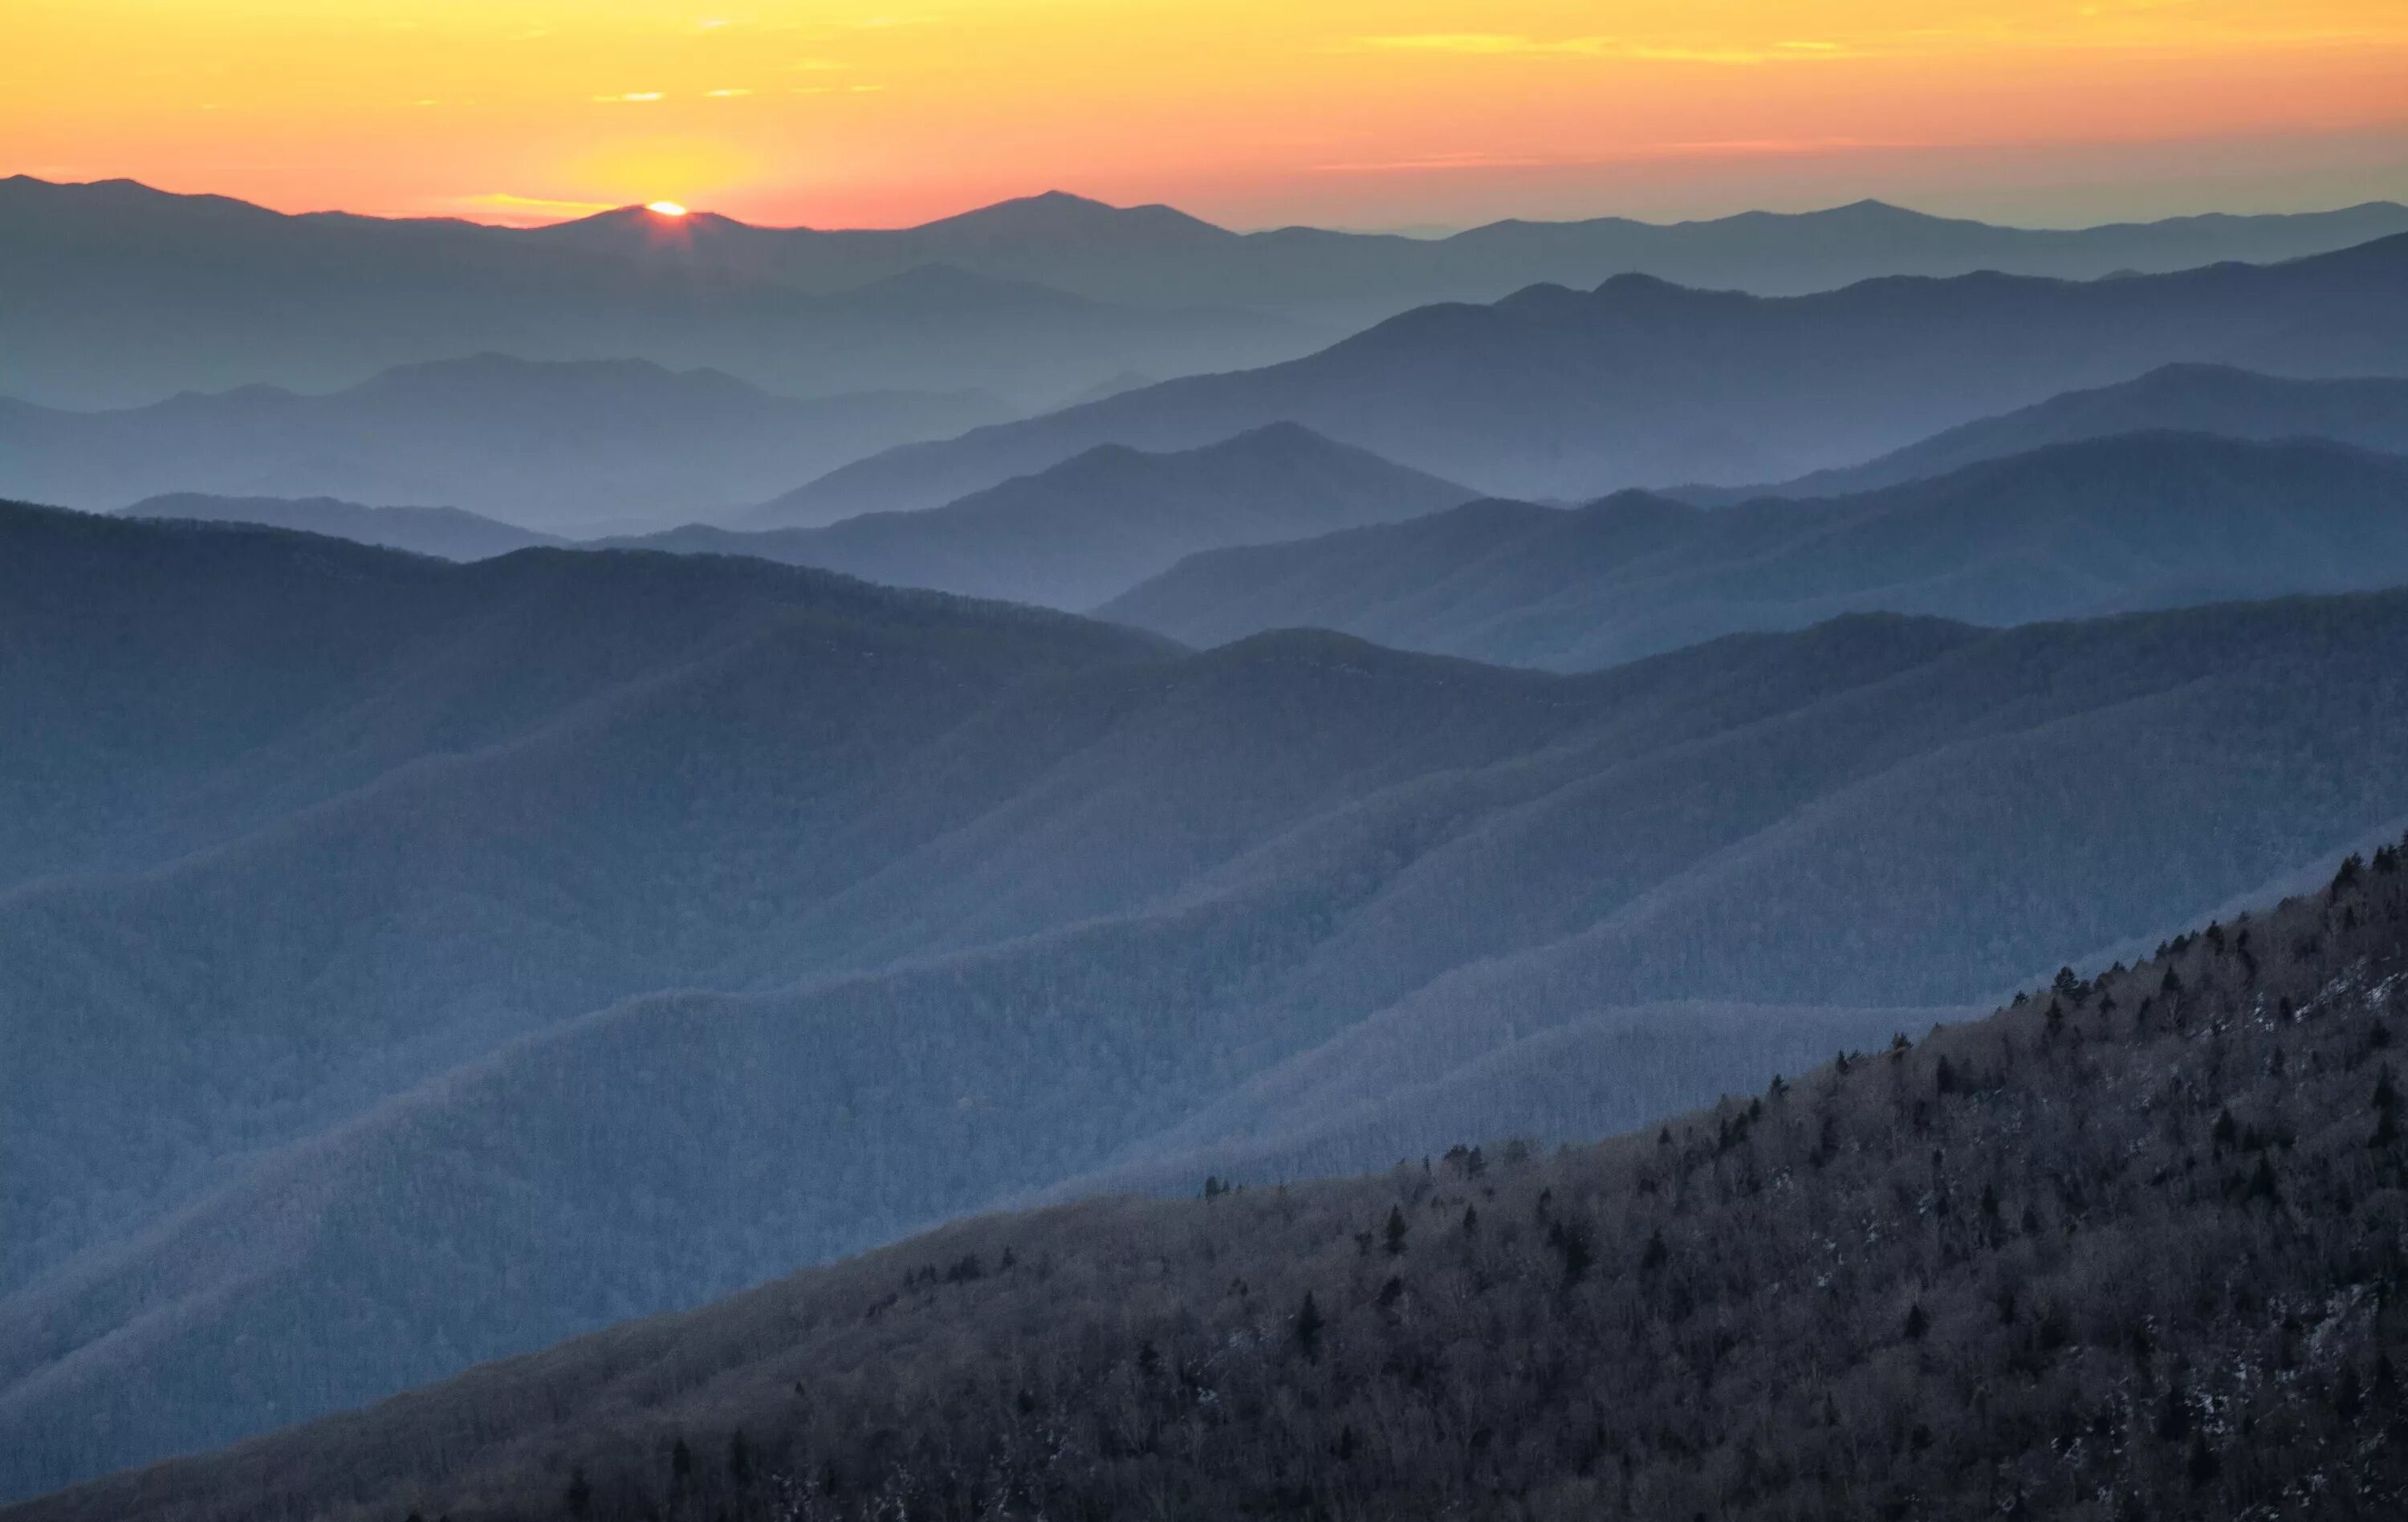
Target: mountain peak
(1056, 214)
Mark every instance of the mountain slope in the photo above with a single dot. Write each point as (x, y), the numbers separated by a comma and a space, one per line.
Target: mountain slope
(447, 533)
(2187, 398)
(558, 444)
(906, 906)
(2070, 531)
(2129, 1240)
(1556, 392)
(1077, 533)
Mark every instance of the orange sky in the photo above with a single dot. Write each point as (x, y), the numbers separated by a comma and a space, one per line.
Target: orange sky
(1248, 111)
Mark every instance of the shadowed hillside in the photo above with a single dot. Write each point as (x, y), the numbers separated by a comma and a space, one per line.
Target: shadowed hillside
(2070, 531)
(2129, 1247)
(894, 906)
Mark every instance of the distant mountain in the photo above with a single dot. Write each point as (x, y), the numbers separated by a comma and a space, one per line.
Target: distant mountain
(446, 532)
(554, 444)
(1083, 531)
(1067, 538)
(2070, 531)
(2191, 398)
(2152, 1214)
(1557, 393)
(120, 296)
(1156, 256)
(404, 963)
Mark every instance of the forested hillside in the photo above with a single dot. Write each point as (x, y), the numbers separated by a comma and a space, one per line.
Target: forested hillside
(447, 532)
(2074, 530)
(2129, 1247)
(392, 877)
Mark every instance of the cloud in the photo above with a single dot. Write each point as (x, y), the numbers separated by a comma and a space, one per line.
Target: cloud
(1471, 159)
(725, 94)
(1520, 45)
(1637, 154)
(631, 95)
(501, 206)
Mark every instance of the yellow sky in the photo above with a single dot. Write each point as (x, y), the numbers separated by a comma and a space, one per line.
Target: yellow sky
(1248, 110)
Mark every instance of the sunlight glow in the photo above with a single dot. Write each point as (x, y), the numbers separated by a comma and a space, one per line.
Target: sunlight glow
(843, 114)
(666, 208)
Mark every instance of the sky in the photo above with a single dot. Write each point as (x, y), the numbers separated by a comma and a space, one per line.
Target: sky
(1407, 113)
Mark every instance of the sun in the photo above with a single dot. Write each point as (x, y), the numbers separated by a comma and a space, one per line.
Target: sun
(666, 208)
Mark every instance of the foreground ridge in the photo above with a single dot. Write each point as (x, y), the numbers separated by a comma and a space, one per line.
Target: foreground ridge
(2132, 1247)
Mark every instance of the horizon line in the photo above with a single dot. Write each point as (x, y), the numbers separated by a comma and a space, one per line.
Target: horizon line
(1435, 233)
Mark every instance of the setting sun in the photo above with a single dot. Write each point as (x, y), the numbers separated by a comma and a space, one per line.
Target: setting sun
(666, 208)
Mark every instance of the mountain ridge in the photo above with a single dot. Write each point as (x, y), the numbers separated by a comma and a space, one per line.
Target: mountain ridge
(1552, 393)
(2372, 413)
(1082, 531)
(2068, 530)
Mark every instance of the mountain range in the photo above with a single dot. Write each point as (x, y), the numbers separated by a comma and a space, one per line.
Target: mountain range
(557, 444)
(1156, 255)
(121, 295)
(2134, 521)
(1070, 537)
(1554, 394)
(1513, 582)
(467, 957)
(2132, 1238)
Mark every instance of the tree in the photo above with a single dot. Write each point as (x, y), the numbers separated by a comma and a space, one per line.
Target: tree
(740, 1460)
(1654, 1255)
(579, 1499)
(1396, 1230)
(1309, 1324)
(681, 1464)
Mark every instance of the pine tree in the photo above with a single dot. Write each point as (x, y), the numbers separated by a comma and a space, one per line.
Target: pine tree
(1309, 1324)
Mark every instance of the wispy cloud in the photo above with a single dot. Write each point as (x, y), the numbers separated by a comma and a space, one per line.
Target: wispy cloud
(1737, 147)
(632, 96)
(1520, 45)
(501, 205)
(725, 94)
(1471, 159)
